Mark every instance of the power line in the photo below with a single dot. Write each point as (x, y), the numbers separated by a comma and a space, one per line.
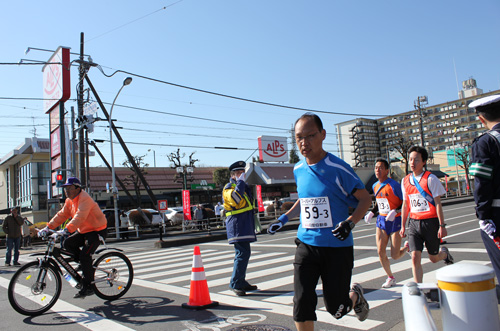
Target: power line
(234, 97)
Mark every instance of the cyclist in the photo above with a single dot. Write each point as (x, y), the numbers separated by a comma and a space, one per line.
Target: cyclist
(87, 223)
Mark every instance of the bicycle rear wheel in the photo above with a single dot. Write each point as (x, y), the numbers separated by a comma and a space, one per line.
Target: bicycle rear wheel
(33, 289)
(113, 275)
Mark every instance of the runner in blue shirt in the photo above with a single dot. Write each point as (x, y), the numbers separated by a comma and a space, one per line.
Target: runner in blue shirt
(327, 187)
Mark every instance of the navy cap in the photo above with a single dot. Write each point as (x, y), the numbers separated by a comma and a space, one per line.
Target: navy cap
(72, 181)
(487, 104)
(239, 165)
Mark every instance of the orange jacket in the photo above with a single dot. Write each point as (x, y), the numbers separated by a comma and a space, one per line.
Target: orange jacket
(85, 214)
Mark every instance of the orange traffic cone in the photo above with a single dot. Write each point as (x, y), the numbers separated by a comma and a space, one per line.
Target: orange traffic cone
(199, 297)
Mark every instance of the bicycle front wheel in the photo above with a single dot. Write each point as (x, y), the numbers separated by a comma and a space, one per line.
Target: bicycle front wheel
(33, 289)
(113, 275)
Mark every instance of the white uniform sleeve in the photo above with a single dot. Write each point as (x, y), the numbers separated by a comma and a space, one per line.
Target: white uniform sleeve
(403, 188)
(435, 186)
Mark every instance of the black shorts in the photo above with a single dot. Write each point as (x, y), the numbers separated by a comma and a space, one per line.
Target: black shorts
(424, 231)
(334, 266)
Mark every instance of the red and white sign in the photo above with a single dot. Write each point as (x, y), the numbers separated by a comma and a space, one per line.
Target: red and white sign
(260, 203)
(162, 205)
(186, 204)
(272, 149)
(55, 143)
(56, 79)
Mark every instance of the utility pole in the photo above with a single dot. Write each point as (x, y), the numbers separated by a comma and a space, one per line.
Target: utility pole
(418, 106)
(81, 145)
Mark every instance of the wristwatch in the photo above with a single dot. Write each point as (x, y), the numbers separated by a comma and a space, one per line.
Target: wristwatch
(442, 225)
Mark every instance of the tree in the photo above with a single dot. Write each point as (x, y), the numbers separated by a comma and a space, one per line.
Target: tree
(221, 176)
(294, 158)
(134, 179)
(463, 161)
(184, 176)
(402, 146)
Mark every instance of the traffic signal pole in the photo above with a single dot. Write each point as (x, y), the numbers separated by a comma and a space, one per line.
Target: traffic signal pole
(124, 146)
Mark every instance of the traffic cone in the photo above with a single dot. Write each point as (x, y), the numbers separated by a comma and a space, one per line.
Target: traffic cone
(199, 297)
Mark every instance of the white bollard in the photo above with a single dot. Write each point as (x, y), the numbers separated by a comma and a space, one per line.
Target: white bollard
(468, 297)
(417, 315)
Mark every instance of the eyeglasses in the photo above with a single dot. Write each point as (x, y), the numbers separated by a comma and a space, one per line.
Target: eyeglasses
(306, 138)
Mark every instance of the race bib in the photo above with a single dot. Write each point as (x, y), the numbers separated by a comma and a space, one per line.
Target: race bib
(383, 206)
(418, 203)
(315, 213)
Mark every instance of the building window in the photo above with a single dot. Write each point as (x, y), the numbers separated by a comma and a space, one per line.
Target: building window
(23, 185)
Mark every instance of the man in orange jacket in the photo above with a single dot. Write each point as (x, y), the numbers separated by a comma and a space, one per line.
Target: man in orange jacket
(87, 223)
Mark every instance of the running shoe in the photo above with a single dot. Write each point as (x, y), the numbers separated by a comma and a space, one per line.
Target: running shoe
(361, 308)
(389, 282)
(449, 259)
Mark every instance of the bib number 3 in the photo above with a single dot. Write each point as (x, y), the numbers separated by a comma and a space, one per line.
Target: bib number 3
(315, 213)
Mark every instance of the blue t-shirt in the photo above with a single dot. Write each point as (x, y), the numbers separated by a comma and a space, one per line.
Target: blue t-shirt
(332, 178)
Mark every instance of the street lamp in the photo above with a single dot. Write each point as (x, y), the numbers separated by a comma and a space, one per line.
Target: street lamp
(154, 156)
(126, 82)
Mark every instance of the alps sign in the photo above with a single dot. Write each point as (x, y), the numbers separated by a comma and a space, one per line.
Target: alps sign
(273, 149)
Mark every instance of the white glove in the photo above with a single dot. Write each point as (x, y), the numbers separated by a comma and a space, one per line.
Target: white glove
(241, 177)
(391, 216)
(274, 227)
(64, 232)
(488, 227)
(368, 217)
(43, 232)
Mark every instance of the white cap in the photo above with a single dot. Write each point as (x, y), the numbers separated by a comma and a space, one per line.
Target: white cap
(485, 101)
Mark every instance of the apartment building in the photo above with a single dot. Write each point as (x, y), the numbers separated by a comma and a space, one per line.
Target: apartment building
(446, 127)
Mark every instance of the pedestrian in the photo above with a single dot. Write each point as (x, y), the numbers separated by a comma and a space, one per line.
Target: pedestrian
(485, 159)
(12, 226)
(277, 206)
(87, 224)
(240, 226)
(198, 216)
(218, 210)
(389, 199)
(327, 186)
(422, 193)
(26, 241)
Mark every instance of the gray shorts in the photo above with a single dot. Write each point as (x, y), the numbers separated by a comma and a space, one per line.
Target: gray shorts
(422, 232)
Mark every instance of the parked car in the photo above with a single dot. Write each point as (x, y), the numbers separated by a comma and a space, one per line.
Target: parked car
(157, 218)
(110, 217)
(175, 215)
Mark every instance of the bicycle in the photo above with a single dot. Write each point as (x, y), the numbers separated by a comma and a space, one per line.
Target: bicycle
(36, 286)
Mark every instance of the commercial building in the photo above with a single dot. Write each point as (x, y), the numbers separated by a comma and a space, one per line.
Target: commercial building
(446, 129)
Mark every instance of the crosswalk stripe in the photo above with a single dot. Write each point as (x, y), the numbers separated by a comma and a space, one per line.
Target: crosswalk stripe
(150, 252)
(182, 262)
(187, 268)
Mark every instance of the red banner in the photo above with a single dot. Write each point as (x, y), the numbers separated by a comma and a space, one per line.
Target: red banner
(446, 181)
(186, 204)
(259, 198)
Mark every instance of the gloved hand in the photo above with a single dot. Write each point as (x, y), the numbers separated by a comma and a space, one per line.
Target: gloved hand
(391, 216)
(283, 219)
(64, 232)
(274, 227)
(488, 227)
(241, 177)
(368, 217)
(343, 229)
(43, 232)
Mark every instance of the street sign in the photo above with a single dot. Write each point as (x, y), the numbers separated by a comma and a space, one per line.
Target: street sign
(202, 187)
(162, 205)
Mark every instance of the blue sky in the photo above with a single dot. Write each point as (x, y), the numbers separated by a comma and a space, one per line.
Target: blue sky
(356, 57)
